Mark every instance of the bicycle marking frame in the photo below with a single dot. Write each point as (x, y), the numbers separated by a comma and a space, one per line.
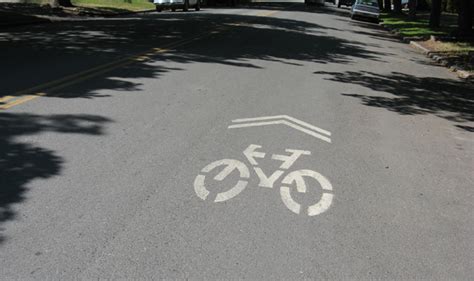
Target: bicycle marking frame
(265, 181)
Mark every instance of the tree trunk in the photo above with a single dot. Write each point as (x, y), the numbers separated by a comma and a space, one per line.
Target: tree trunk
(380, 2)
(397, 6)
(435, 16)
(412, 8)
(387, 6)
(465, 17)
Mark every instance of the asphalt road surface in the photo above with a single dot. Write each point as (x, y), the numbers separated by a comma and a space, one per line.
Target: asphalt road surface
(360, 167)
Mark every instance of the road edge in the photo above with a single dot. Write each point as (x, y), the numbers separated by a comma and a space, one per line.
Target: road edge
(38, 19)
(460, 72)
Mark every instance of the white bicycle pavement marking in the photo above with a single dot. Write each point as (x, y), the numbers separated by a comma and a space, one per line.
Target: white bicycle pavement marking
(284, 120)
(230, 166)
(297, 177)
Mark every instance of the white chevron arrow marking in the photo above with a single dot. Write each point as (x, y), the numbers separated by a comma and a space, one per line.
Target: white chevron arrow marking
(285, 120)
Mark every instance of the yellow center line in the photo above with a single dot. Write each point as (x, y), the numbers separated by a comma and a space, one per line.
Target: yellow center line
(266, 14)
(90, 73)
(6, 98)
(93, 69)
(33, 92)
(22, 100)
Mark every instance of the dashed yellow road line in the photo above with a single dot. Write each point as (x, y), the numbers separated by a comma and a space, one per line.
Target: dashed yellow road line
(89, 73)
(266, 14)
(90, 70)
(21, 100)
(6, 98)
(33, 92)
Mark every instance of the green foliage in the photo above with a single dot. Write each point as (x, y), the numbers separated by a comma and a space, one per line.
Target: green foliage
(419, 27)
(132, 5)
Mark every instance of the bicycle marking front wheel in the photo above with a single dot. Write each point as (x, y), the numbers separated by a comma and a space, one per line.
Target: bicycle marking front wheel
(298, 177)
(230, 165)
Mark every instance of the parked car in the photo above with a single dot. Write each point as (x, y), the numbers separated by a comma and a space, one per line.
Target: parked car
(366, 9)
(347, 3)
(176, 4)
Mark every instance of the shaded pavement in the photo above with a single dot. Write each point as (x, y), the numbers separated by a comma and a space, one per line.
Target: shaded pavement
(98, 175)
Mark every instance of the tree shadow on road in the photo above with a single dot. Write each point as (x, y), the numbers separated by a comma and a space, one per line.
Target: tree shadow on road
(412, 95)
(21, 163)
(45, 53)
(39, 54)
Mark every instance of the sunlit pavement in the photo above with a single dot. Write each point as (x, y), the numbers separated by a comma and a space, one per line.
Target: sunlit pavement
(266, 142)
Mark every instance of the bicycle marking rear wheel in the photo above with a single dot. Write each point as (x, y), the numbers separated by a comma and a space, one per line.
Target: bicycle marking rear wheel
(298, 177)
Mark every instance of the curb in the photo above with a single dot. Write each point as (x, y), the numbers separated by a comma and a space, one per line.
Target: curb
(461, 73)
(131, 13)
(418, 46)
(444, 62)
(395, 32)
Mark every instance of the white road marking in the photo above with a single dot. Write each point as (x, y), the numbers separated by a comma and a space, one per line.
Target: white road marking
(321, 206)
(244, 171)
(300, 183)
(267, 181)
(297, 121)
(288, 201)
(251, 154)
(224, 173)
(297, 176)
(289, 160)
(231, 193)
(230, 166)
(284, 122)
(199, 187)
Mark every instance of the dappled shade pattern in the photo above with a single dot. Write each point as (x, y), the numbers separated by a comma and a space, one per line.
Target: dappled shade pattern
(446, 98)
(21, 162)
(84, 44)
(55, 51)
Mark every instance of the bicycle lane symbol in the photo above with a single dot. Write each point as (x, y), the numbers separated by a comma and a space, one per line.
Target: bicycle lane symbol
(268, 181)
(230, 166)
